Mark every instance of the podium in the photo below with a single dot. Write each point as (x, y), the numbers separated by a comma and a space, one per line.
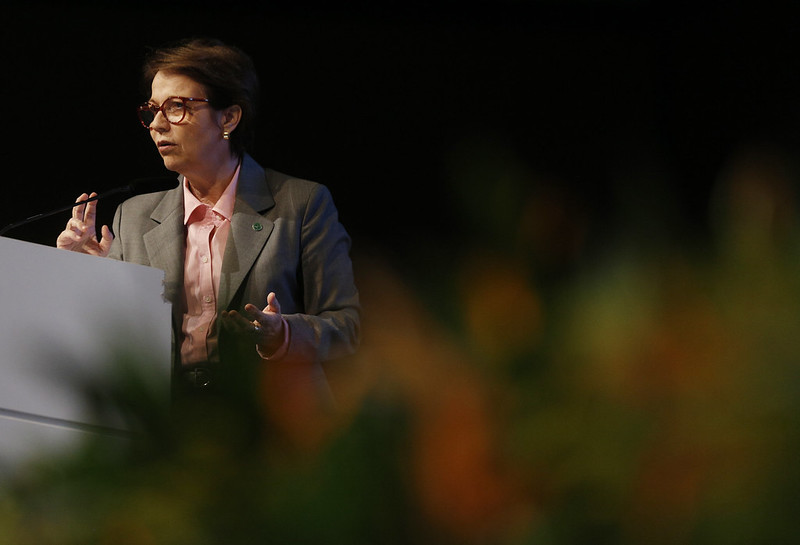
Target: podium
(67, 321)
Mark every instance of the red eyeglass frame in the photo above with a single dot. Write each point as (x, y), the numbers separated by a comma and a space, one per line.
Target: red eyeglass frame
(149, 107)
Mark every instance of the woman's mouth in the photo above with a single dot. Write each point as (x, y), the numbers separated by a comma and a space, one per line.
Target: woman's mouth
(165, 146)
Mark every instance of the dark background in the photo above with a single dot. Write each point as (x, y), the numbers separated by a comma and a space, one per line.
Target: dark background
(623, 105)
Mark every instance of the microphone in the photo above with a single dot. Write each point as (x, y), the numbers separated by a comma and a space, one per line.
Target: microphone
(135, 187)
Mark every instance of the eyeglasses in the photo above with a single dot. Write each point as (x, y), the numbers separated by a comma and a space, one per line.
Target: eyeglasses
(174, 110)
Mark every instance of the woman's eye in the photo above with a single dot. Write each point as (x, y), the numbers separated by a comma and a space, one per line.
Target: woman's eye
(173, 106)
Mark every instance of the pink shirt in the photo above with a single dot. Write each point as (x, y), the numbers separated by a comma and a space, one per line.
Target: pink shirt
(207, 231)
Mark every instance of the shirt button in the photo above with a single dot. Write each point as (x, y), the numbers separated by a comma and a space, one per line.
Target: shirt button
(207, 298)
(204, 258)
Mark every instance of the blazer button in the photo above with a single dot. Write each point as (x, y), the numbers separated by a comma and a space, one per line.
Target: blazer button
(257, 227)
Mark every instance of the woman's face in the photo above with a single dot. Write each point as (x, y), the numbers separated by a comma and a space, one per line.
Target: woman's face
(194, 147)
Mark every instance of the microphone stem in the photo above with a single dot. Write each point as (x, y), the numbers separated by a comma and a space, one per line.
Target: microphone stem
(11, 226)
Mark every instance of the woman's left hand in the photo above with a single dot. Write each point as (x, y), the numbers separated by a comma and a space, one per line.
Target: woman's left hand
(266, 327)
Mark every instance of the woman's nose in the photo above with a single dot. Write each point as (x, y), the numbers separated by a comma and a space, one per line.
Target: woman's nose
(159, 122)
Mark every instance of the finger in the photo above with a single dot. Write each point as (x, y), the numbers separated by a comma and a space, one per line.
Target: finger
(72, 235)
(106, 239)
(78, 211)
(234, 319)
(254, 313)
(67, 239)
(90, 211)
(272, 303)
(76, 226)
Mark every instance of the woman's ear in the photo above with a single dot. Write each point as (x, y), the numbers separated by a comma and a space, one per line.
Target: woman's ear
(231, 117)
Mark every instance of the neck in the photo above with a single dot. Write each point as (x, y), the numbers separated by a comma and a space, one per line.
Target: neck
(208, 185)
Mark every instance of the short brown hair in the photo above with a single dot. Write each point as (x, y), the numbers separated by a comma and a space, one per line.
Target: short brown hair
(226, 73)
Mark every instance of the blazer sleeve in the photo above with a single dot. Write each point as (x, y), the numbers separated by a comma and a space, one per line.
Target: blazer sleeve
(329, 327)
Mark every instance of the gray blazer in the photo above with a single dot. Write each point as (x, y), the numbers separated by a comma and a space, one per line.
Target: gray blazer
(285, 237)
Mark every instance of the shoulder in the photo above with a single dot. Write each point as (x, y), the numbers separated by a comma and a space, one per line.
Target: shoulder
(281, 194)
(264, 188)
(284, 184)
(299, 197)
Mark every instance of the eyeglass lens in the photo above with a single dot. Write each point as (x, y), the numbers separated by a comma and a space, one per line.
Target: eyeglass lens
(174, 109)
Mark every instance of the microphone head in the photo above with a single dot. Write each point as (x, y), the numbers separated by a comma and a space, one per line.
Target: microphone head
(152, 185)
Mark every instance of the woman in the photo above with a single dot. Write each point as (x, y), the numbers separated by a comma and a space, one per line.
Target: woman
(256, 263)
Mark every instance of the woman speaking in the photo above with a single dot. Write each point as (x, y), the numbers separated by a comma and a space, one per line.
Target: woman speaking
(256, 263)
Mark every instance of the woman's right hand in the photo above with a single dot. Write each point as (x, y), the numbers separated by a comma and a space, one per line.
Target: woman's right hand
(80, 234)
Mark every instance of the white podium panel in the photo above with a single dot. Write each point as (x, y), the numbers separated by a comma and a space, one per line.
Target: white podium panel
(68, 320)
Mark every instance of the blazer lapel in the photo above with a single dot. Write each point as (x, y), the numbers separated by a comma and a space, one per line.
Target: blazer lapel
(250, 230)
(165, 241)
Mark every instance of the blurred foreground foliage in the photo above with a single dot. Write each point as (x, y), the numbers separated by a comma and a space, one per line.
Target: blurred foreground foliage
(507, 392)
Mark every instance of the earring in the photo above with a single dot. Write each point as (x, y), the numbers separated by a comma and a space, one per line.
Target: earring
(226, 135)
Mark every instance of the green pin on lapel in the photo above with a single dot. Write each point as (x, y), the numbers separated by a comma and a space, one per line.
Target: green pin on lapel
(257, 227)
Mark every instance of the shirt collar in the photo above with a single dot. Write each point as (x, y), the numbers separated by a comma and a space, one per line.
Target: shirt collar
(223, 207)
